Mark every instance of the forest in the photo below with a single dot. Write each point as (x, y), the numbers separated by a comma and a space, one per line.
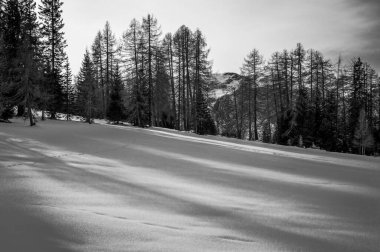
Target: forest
(297, 97)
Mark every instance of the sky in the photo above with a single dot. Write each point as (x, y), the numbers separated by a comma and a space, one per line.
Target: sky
(350, 28)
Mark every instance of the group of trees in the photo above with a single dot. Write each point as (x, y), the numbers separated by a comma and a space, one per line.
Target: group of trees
(145, 78)
(298, 97)
(32, 57)
(301, 98)
(148, 79)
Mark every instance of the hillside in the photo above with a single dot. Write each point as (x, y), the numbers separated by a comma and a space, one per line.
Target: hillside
(224, 84)
(69, 186)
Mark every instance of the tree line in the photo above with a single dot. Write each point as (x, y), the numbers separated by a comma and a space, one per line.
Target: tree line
(147, 78)
(300, 98)
(297, 97)
(143, 77)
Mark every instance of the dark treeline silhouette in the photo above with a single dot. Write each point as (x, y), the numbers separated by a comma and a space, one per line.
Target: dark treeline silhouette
(297, 97)
(301, 98)
(32, 58)
(148, 79)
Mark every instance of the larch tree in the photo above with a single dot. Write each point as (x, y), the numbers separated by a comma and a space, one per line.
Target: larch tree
(151, 33)
(299, 54)
(168, 48)
(109, 43)
(337, 95)
(252, 69)
(135, 71)
(97, 58)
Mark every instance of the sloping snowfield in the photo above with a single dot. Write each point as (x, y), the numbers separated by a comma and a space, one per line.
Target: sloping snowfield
(69, 186)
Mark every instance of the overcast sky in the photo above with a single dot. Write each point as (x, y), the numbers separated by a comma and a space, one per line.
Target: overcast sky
(234, 27)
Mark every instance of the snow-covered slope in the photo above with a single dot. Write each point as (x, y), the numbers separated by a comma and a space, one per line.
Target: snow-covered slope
(70, 186)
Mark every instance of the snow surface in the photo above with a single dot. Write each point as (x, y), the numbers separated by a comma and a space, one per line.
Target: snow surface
(70, 186)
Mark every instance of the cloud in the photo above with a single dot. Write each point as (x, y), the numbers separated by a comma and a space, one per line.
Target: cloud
(367, 37)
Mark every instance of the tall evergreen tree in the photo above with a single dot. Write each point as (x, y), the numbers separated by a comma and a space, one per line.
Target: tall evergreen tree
(54, 43)
(357, 95)
(2, 57)
(86, 89)
(202, 72)
(29, 55)
(20, 66)
(11, 40)
(98, 60)
(115, 111)
(161, 95)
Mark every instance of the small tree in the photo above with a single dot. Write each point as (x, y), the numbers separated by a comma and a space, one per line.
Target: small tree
(363, 138)
(68, 91)
(300, 141)
(267, 134)
(115, 111)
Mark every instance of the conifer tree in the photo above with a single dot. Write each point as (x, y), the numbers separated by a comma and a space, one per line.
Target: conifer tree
(151, 33)
(115, 111)
(133, 59)
(202, 72)
(252, 69)
(29, 56)
(20, 51)
(168, 47)
(357, 95)
(299, 54)
(54, 43)
(98, 61)
(2, 58)
(205, 122)
(11, 40)
(108, 50)
(68, 89)
(86, 89)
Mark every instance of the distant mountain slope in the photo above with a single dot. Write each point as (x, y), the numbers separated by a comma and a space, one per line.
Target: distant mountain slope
(224, 84)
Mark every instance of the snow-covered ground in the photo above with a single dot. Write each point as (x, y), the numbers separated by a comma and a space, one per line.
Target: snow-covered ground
(70, 186)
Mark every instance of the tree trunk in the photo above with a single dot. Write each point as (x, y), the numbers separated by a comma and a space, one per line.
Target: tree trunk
(249, 108)
(286, 79)
(171, 71)
(238, 132)
(150, 72)
(337, 101)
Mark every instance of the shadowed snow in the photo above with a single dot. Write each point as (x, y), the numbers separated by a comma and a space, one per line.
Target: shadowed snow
(107, 188)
